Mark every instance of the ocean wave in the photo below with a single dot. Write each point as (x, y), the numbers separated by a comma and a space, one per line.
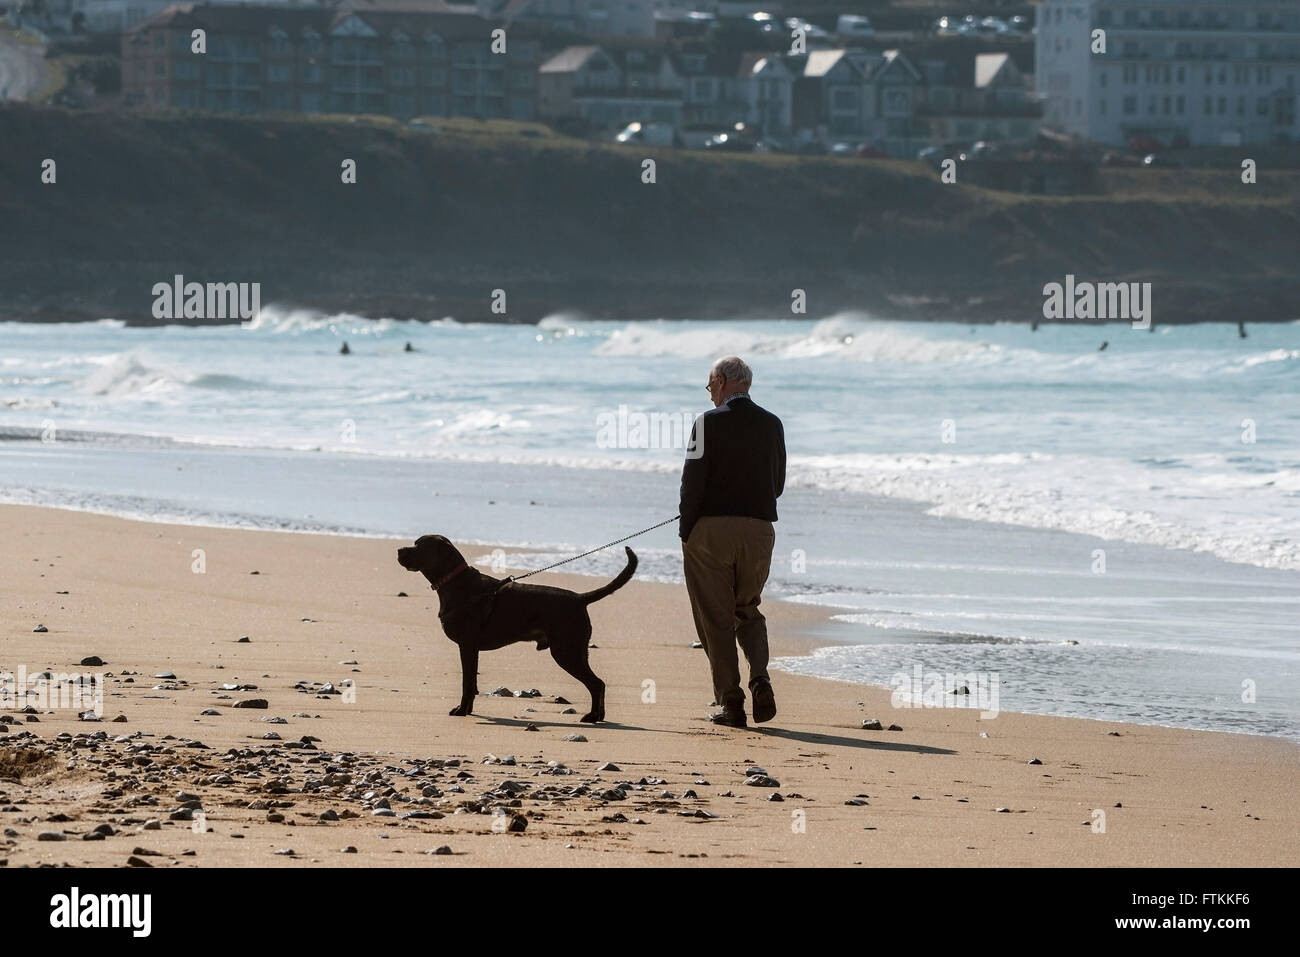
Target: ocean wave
(848, 336)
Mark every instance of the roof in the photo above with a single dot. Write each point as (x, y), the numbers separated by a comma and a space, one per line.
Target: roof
(384, 20)
(821, 62)
(987, 66)
(569, 60)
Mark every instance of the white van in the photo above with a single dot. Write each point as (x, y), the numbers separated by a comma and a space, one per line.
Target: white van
(854, 26)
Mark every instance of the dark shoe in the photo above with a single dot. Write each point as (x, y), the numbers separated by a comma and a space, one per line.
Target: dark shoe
(731, 717)
(764, 700)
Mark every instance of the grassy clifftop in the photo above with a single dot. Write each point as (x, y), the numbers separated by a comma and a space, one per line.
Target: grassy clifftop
(437, 220)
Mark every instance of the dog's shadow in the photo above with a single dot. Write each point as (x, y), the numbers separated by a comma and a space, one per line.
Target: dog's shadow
(579, 727)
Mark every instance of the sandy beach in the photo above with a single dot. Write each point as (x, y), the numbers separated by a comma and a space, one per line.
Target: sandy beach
(184, 777)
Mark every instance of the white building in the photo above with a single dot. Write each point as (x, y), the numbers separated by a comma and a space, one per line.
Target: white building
(1203, 73)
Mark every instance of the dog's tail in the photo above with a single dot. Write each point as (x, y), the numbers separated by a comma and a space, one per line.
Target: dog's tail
(622, 579)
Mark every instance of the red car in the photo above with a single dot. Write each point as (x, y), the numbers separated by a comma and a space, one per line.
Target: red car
(868, 151)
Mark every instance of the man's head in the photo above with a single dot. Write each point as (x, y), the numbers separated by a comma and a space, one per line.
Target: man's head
(728, 376)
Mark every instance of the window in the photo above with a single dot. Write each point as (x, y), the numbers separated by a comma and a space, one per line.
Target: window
(437, 49)
(309, 102)
(436, 76)
(701, 88)
(1101, 79)
(159, 69)
(1261, 106)
(1241, 106)
(159, 40)
(1181, 106)
(279, 73)
(184, 70)
(1130, 105)
(311, 73)
(1209, 105)
(1101, 107)
(844, 99)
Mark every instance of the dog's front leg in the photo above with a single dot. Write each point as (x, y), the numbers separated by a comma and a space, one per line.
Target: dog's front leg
(468, 681)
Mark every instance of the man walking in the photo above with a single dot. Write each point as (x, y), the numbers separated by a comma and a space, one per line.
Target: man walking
(733, 475)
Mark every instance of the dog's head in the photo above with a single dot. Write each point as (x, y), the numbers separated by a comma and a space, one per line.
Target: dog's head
(431, 555)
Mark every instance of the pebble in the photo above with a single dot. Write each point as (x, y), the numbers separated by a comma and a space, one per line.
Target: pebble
(893, 727)
(518, 824)
(530, 693)
(51, 836)
(165, 674)
(575, 737)
(762, 781)
(259, 703)
(501, 692)
(609, 766)
(40, 630)
(697, 644)
(1034, 761)
(244, 640)
(134, 861)
(349, 850)
(210, 712)
(92, 661)
(872, 724)
(285, 852)
(775, 796)
(443, 850)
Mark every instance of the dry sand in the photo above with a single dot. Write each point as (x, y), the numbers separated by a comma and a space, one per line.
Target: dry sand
(931, 791)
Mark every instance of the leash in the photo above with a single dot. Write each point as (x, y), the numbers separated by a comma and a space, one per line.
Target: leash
(538, 571)
(617, 541)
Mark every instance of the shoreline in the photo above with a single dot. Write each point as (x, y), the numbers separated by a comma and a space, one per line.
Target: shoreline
(937, 792)
(809, 617)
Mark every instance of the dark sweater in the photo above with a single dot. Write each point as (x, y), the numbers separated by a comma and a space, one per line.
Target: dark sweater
(741, 468)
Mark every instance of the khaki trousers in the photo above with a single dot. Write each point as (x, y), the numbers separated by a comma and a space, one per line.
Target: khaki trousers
(726, 561)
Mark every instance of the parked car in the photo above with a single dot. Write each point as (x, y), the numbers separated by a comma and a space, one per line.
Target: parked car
(946, 26)
(730, 143)
(870, 151)
(647, 134)
(852, 26)
(842, 149)
(977, 151)
(1160, 160)
(1120, 159)
(810, 30)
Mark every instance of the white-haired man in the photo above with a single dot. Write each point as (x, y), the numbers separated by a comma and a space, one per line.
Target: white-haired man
(730, 484)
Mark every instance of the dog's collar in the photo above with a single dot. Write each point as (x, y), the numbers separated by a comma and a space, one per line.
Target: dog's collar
(448, 577)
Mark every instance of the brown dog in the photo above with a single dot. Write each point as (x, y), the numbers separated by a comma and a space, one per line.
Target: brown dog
(481, 613)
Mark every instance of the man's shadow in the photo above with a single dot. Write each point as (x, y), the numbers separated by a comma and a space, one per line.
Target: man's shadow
(839, 740)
